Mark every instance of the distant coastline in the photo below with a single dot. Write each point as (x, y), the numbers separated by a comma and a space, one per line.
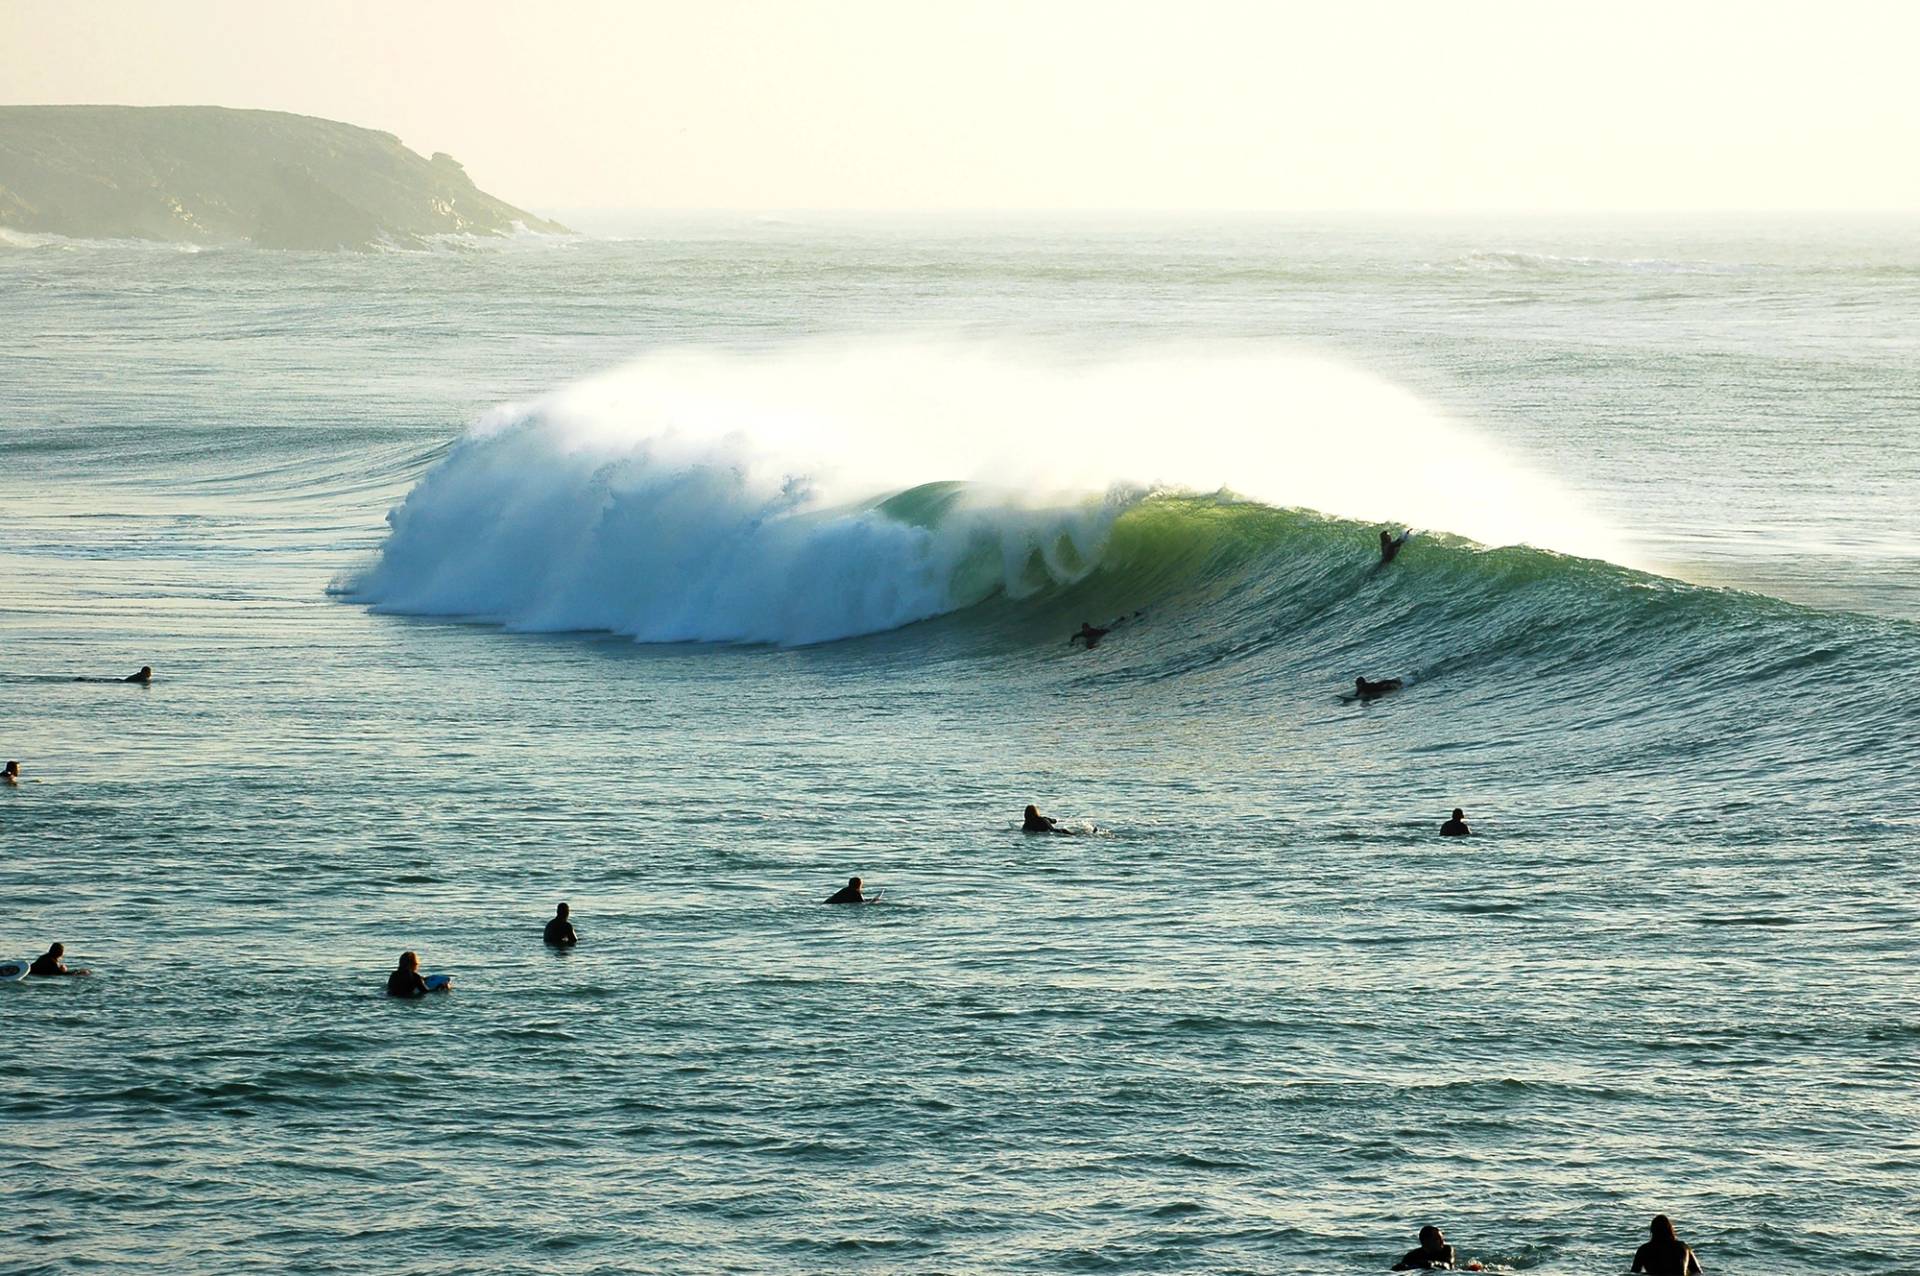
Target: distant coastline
(211, 175)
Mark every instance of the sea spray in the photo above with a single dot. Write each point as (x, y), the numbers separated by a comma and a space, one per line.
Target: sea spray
(708, 495)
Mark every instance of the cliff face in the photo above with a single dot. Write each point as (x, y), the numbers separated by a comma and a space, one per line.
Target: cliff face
(209, 175)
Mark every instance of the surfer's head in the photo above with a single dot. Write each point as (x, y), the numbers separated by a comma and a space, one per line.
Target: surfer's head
(560, 911)
(1459, 814)
(409, 960)
(854, 883)
(1430, 1237)
(1032, 810)
(55, 950)
(1662, 1228)
(13, 769)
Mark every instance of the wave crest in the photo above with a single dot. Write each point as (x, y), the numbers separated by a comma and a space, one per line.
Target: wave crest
(784, 498)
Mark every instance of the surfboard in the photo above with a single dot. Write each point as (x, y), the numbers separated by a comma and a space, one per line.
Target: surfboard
(13, 969)
(439, 983)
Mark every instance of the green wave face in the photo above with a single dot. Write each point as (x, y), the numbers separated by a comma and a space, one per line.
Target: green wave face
(1242, 601)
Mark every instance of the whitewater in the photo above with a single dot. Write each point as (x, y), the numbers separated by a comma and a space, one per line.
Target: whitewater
(683, 572)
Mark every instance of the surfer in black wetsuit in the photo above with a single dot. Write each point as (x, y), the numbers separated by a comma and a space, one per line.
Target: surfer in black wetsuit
(12, 774)
(145, 675)
(1038, 823)
(1434, 1254)
(405, 980)
(1457, 826)
(1665, 1254)
(848, 894)
(49, 964)
(1390, 545)
(1364, 690)
(1089, 635)
(559, 930)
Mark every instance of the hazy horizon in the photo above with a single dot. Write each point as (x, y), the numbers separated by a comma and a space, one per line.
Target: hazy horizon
(1468, 108)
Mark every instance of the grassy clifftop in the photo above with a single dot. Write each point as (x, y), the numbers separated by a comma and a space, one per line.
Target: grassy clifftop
(209, 175)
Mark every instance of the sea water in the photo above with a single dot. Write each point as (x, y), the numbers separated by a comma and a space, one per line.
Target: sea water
(684, 571)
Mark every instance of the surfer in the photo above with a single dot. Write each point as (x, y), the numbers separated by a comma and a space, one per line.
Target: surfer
(1038, 823)
(848, 894)
(1434, 1253)
(1665, 1254)
(12, 774)
(559, 930)
(405, 981)
(49, 964)
(1390, 545)
(1457, 826)
(1089, 635)
(1364, 690)
(145, 675)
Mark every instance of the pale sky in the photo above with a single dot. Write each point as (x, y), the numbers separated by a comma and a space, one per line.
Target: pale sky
(1187, 105)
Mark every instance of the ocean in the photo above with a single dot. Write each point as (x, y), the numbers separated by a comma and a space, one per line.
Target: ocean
(684, 570)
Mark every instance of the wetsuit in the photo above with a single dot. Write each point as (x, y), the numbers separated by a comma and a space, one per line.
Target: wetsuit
(848, 894)
(1038, 824)
(1455, 828)
(560, 933)
(1665, 1258)
(1425, 1260)
(406, 983)
(1368, 690)
(46, 964)
(145, 675)
(1089, 635)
